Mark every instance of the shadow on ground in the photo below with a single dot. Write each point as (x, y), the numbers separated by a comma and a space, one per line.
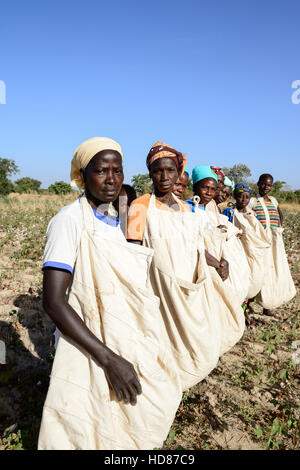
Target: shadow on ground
(24, 378)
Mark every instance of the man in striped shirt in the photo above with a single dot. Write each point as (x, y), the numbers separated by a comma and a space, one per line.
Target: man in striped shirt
(265, 184)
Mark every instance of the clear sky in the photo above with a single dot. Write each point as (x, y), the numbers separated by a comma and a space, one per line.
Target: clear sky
(211, 78)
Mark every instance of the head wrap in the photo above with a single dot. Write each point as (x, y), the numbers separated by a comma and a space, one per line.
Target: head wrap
(187, 172)
(161, 150)
(203, 171)
(218, 170)
(242, 188)
(228, 182)
(84, 154)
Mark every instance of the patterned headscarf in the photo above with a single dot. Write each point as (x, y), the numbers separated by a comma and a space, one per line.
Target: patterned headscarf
(161, 150)
(218, 170)
(241, 188)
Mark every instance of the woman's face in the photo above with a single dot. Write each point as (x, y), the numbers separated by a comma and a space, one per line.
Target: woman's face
(206, 190)
(242, 200)
(222, 194)
(265, 186)
(226, 191)
(104, 176)
(164, 175)
(180, 186)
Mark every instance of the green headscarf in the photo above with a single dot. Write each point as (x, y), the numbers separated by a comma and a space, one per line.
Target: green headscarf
(203, 171)
(228, 182)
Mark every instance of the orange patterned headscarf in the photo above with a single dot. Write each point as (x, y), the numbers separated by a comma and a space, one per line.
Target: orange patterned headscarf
(161, 150)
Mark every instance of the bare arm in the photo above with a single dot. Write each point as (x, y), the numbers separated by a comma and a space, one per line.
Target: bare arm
(280, 215)
(119, 372)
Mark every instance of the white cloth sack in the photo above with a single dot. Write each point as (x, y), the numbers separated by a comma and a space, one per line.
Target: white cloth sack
(232, 251)
(109, 292)
(199, 324)
(278, 286)
(255, 243)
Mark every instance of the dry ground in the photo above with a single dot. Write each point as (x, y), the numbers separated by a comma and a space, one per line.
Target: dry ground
(250, 401)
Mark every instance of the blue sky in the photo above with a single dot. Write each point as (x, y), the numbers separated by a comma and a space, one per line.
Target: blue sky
(211, 78)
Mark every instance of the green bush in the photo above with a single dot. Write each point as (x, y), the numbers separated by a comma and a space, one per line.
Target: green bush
(60, 187)
(26, 184)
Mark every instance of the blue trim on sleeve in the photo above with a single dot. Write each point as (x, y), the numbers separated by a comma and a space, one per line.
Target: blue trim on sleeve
(113, 221)
(191, 204)
(55, 264)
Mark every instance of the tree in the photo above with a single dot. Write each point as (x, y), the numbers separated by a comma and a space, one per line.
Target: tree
(7, 168)
(253, 186)
(60, 187)
(238, 173)
(277, 187)
(142, 183)
(190, 185)
(23, 185)
(189, 192)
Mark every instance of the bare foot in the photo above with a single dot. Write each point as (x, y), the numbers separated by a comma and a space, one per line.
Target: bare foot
(248, 321)
(268, 313)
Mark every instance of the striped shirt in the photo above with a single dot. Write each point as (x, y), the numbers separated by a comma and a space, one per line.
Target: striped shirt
(273, 213)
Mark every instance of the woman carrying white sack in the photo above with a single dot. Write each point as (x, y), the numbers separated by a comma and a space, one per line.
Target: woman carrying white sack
(278, 286)
(194, 312)
(254, 240)
(223, 239)
(113, 385)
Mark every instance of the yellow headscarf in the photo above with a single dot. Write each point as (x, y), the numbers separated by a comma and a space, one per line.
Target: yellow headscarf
(84, 154)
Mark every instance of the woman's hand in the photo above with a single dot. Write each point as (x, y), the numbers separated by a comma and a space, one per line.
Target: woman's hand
(223, 269)
(122, 378)
(223, 228)
(222, 266)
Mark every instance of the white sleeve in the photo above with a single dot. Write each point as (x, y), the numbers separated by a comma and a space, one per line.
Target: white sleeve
(251, 203)
(63, 238)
